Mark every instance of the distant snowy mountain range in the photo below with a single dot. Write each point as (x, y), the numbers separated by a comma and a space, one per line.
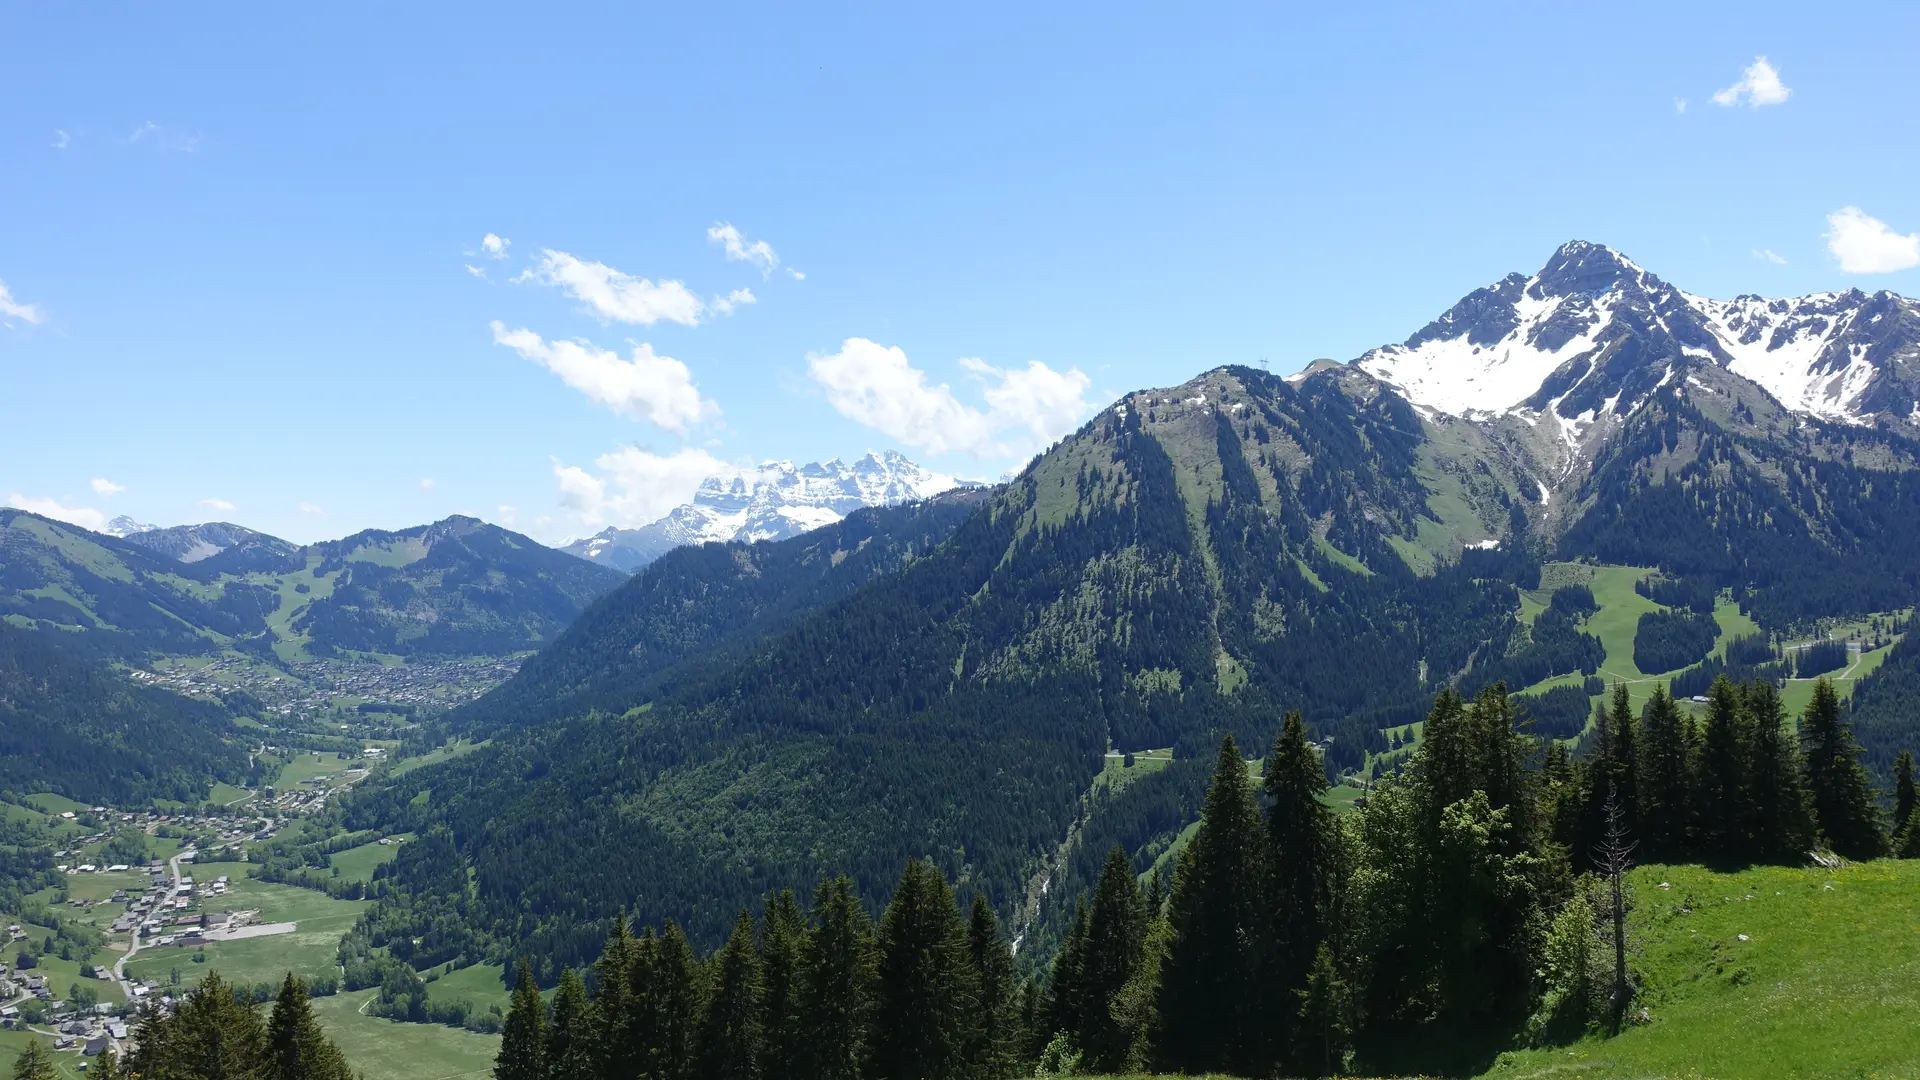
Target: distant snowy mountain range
(192, 543)
(1593, 334)
(777, 500)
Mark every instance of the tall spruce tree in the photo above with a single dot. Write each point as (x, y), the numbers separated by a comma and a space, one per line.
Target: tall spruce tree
(570, 1038)
(837, 985)
(998, 1036)
(1724, 792)
(1613, 771)
(35, 1062)
(211, 1035)
(1843, 799)
(928, 992)
(1665, 779)
(1066, 1009)
(783, 941)
(1116, 928)
(731, 1033)
(523, 1038)
(1782, 810)
(670, 992)
(616, 1050)
(1209, 1011)
(297, 1049)
(1305, 858)
(1903, 791)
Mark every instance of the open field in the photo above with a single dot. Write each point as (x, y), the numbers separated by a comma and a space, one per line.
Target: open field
(459, 748)
(1822, 985)
(310, 950)
(65, 1063)
(478, 983)
(357, 864)
(389, 1050)
(308, 766)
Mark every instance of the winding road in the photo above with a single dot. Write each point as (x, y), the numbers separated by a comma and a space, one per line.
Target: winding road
(133, 940)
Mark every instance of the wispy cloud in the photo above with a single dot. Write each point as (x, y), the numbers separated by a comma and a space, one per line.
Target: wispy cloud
(11, 309)
(213, 502)
(1769, 255)
(426, 483)
(875, 385)
(724, 305)
(1759, 85)
(477, 271)
(739, 249)
(1680, 106)
(61, 140)
(495, 246)
(163, 139)
(616, 296)
(104, 486)
(1867, 245)
(648, 387)
(312, 509)
(84, 516)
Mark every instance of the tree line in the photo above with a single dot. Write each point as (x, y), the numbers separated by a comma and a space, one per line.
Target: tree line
(1457, 911)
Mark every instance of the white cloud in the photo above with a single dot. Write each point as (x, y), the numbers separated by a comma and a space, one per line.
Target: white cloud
(477, 271)
(426, 483)
(724, 305)
(495, 246)
(61, 140)
(84, 516)
(313, 509)
(616, 296)
(1768, 255)
(650, 386)
(104, 486)
(214, 503)
(795, 274)
(1759, 85)
(165, 140)
(1866, 245)
(506, 515)
(875, 385)
(1680, 106)
(14, 309)
(759, 252)
(635, 487)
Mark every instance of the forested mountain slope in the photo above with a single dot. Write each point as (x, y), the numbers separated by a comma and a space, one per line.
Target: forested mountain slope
(455, 588)
(1195, 559)
(700, 596)
(73, 726)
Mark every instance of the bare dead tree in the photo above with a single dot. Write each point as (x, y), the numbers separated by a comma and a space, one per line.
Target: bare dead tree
(1614, 857)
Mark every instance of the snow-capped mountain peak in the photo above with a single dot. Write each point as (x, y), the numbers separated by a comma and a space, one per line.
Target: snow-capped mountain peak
(124, 526)
(1594, 332)
(773, 501)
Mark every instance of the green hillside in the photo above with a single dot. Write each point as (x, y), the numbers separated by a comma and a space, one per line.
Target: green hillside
(457, 588)
(1767, 972)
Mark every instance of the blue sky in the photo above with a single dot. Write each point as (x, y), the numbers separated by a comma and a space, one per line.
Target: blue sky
(242, 246)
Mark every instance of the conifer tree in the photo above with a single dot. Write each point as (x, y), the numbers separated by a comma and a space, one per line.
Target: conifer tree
(523, 1039)
(837, 985)
(35, 1062)
(1116, 927)
(928, 993)
(730, 1036)
(1724, 793)
(783, 942)
(570, 1039)
(1665, 784)
(1067, 984)
(1210, 1019)
(1903, 791)
(1613, 771)
(1325, 1017)
(615, 1044)
(106, 1066)
(1843, 800)
(1305, 860)
(670, 988)
(212, 1035)
(997, 1030)
(1782, 809)
(297, 1049)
